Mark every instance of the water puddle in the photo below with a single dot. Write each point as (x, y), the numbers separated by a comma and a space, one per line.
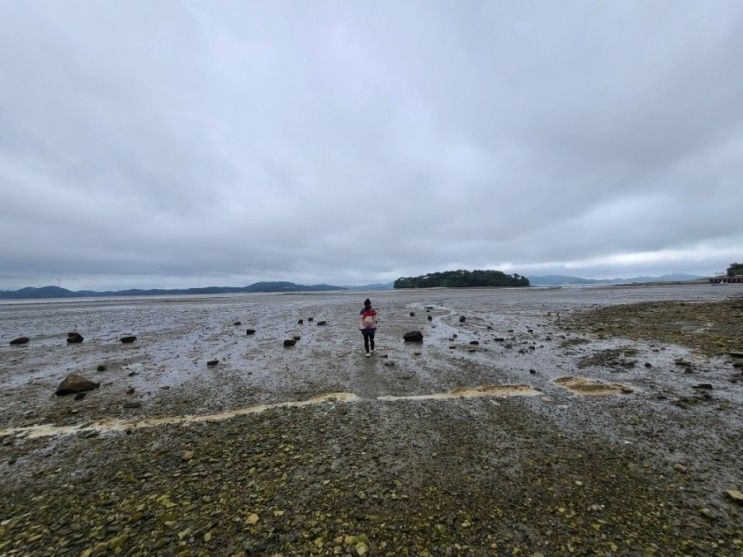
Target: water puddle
(591, 387)
(119, 425)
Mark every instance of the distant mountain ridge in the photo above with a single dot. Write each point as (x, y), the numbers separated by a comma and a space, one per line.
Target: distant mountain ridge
(50, 292)
(557, 280)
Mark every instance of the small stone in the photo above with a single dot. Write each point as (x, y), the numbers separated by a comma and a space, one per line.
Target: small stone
(412, 314)
(300, 322)
(186, 456)
(128, 339)
(211, 363)
(290, 342)
(735, 495)
(389, 363)
(706, 386)
(237, 323)
(296, 337)
(462, 318)
(648, 365)
(429, 318)
(208, 537)
(130, 391)
(249, 332)
(474, 342)
(101, 368)
(75, 384)
(361, 548)
(310, 319)
(413, 336)
(18, 341)
(74, 338)
(132, 405)
(680, 468)
(252, 519)
(533, 371)
(416, 353)
(321, 323)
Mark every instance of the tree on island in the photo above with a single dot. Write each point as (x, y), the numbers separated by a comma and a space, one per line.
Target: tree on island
(735, 270)
(462, 279)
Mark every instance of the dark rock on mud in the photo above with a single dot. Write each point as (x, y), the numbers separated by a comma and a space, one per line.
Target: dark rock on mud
(290, 342)
(128, 339)
(132, 405)
(101, 368)
(74, 383)
(212, 363)
(249, 332)
(429, 318)
(413, 336)
(74, 338)
(474, 342)
(310, 319)
(412, 314)
(300, 322)
(19, 340)
(79, 396)
(237, 323)
(297, 337)
(321, 323)
(706, 386)
(462, 318)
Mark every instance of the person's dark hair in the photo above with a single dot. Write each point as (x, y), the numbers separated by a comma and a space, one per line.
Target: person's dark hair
(367, 302)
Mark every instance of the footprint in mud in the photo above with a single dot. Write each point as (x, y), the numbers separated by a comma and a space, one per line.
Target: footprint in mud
(591, 387)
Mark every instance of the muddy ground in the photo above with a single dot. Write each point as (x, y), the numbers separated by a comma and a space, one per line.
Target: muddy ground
(316, 449)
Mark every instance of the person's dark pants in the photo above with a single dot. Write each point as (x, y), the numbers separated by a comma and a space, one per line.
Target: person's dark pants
(368, 338)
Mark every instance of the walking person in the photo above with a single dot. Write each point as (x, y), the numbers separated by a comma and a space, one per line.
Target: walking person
(368, 325)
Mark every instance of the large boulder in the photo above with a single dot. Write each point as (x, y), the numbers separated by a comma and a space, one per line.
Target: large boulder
(19, 340)
(413, 336)
(74, 338)
(74, 383)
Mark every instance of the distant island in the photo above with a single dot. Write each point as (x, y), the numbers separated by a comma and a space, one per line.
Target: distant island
(462, 279)
(558, 280)
(57, 292)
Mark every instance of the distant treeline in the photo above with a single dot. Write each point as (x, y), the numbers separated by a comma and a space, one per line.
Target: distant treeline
(735, 269)
(459, 279)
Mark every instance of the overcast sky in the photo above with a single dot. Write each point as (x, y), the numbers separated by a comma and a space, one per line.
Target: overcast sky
(175, 144)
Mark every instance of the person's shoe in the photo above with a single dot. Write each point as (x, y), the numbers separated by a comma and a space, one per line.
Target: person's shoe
(372, 350)
(367, 354)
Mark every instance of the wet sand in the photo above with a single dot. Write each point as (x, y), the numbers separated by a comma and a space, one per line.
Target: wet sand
(547, 436)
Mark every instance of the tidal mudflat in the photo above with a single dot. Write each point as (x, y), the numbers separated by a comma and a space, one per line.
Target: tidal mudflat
(586, 421)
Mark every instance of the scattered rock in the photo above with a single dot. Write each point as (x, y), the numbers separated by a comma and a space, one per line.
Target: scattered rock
(237, 323)
(321, 323)
(389, 363)
(74, 383)
(412, 314)
(702, 386)
(130, 391)
(297, 337)
(80, 396)
(533, 371)
(290, 342)
(211, 363)
(186, 456)
(101, 368)
(416, 353)
(249, 332)
(300, 322)
(735, 495)
(131, 405)
(489, 327)
(648, 365)
(310, 319)
(429, 318)
(74, 338)
(128, 339)
(19, 340)
(462, 318)
(413, 336)
(680, 468)
(474, 342)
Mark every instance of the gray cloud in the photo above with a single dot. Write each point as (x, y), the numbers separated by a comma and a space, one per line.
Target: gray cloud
(185, 143)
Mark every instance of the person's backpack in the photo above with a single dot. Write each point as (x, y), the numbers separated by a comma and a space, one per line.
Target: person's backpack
(368, 319)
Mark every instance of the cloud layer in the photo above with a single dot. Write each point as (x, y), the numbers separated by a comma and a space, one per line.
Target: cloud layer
(187, 143)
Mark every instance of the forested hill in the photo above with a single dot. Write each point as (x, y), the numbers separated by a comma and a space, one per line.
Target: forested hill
(460, 279)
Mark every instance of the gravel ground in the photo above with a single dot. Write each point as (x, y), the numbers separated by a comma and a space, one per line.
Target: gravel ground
(398, 465)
